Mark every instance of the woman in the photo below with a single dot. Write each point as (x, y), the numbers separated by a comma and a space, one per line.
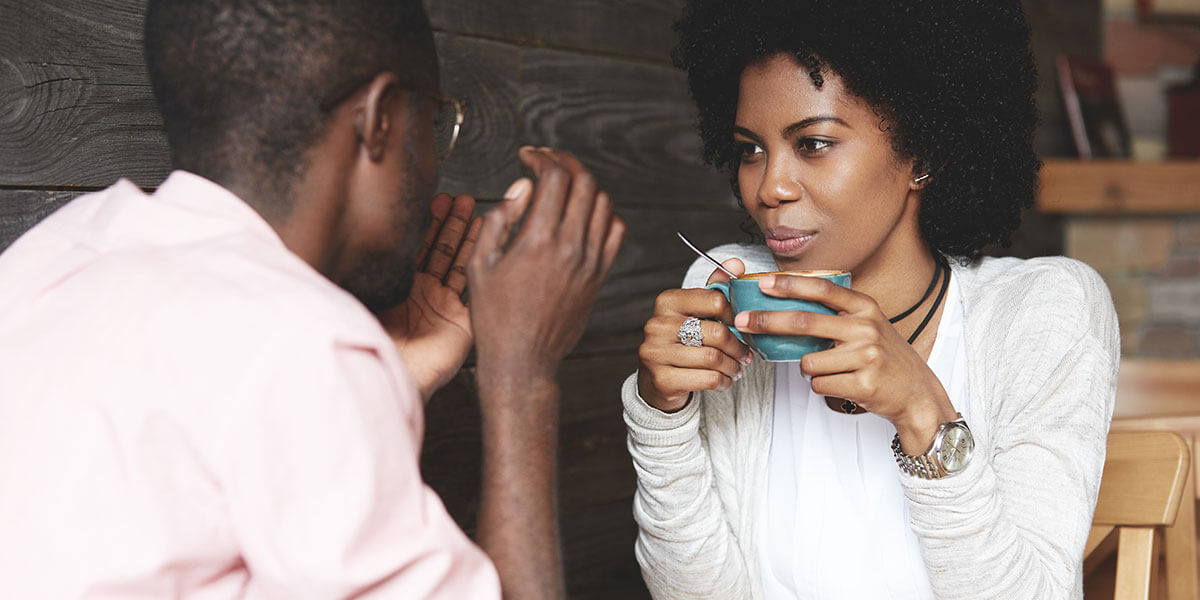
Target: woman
(892, 140)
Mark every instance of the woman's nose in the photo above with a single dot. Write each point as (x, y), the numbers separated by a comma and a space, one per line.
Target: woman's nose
(780, 185)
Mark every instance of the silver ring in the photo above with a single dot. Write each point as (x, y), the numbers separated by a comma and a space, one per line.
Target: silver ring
(690, 334)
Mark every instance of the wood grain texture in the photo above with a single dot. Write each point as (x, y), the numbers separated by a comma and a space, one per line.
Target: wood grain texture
(1137, 563)
(485, 76)
(22, 209)
(1143, 481)
(1120, 187)
(76, 108)
(632, 124)
(596, 478)
(631, 28)
(652, 260)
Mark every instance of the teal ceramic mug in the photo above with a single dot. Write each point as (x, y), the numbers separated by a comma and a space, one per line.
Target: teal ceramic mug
(743, 294)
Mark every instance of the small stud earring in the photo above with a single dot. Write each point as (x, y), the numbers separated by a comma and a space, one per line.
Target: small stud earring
(921, 178)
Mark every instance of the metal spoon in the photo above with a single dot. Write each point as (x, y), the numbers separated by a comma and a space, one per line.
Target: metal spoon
(705, 255)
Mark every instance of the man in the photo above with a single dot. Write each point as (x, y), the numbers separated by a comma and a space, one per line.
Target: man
(190, 407)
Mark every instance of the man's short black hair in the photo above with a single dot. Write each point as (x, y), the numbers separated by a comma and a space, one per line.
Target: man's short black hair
(240, 82)
(953, 81)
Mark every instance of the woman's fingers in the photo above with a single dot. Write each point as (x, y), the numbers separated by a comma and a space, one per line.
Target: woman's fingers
(841, 359)
(706, 304)
(734, 265)
(677, 381)
(817, 289)
(450, 238)
(802, 322)
(663, 333)
(854, 386)
(720, 349)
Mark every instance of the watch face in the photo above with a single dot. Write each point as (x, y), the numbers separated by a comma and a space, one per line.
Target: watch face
(957, 446)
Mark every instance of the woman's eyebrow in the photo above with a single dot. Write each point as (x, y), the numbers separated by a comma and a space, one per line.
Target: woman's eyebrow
(747, 133)
(794, 128)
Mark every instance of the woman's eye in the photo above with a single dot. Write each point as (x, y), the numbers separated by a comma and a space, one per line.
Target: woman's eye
(810, 145)
(749, 151)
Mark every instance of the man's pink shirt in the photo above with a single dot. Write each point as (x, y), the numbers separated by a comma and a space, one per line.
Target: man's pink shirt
(188, 410)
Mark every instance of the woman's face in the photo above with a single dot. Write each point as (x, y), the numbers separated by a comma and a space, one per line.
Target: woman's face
(817, 172)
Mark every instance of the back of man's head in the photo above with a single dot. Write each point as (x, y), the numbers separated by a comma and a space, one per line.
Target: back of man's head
(240, 82)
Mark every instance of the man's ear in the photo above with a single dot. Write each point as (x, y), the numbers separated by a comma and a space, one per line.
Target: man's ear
(373, 119)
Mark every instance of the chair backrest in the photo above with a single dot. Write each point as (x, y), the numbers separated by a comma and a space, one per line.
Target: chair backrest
(1142, 486)
(1143, 479)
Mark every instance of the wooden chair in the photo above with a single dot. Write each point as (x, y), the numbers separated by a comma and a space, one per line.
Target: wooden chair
(1142, 486)
(1164, 394)
(1180, 538)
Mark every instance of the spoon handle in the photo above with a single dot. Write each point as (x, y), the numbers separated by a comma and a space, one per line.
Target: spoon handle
(705, 255)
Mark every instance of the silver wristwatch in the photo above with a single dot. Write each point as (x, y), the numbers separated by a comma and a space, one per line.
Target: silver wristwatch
(950, 453)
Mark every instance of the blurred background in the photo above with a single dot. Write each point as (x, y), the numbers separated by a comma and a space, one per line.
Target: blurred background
(1119, 134)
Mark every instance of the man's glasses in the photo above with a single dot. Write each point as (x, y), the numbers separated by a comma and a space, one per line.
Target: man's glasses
(447, 124)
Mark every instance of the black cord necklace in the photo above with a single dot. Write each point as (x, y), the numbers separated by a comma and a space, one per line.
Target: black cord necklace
(940, 267)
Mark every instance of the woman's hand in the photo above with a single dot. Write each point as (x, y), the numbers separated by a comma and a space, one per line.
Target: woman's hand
(870, 363)
(432, 328)
(669, 371)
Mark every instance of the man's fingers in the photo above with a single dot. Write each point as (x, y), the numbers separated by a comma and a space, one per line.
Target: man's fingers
(597, 231)
(612, 245)
(454, 229)
(582, 198)
(550, 196)
(456, 279)
(438, 209)
(516, 200)
(735, 266)
(499, 221)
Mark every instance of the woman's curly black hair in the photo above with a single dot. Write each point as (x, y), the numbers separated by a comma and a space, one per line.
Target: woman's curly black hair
(953, 81)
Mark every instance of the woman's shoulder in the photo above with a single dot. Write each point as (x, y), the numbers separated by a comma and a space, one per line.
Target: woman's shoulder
(1054, 275)
(1055, 286)
(756, 257)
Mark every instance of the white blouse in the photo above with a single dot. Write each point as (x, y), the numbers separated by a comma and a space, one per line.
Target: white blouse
(833, 521)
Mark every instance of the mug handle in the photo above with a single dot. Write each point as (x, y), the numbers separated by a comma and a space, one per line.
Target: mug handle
(723, 287)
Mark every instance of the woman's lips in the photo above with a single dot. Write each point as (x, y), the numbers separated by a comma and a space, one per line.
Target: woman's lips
(787, 241)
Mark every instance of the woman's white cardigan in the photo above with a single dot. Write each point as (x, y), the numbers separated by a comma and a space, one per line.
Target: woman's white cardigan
(1042, 354)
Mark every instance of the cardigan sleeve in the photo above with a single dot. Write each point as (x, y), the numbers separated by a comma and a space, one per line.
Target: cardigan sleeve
(1014, 523)
(685, 545)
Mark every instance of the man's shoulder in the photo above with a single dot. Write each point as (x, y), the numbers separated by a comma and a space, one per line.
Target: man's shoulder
(240, 282)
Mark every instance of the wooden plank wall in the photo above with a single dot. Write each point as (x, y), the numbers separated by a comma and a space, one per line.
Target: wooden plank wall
(589, 76)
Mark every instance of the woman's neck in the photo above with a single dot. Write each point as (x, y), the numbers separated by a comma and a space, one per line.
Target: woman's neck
(897, 276)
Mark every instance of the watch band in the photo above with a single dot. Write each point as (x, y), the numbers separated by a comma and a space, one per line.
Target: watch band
(927, 465)
(917, 466)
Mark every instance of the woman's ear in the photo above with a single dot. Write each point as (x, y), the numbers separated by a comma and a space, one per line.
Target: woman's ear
(920, 175)
(373, 119)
